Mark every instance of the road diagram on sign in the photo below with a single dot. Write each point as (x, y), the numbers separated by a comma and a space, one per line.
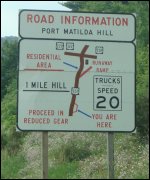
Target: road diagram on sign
(73, 84)
(79, 74)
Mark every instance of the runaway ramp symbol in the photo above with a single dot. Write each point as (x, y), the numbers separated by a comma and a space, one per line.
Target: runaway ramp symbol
(81, 55)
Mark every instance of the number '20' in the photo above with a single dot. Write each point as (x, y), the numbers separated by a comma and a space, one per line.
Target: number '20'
(102, 99)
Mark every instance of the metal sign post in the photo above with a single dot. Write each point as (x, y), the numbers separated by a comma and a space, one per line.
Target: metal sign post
(110, 151)
(45, 155)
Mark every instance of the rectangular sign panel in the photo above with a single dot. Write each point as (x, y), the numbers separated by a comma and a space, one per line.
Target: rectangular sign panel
(67, 85)
(76, 26)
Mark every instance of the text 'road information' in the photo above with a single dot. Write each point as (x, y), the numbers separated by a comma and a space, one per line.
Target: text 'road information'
(71, 85)
(77, 26)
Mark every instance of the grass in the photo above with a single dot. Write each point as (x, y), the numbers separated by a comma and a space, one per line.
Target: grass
(63, 171)
(11, 165)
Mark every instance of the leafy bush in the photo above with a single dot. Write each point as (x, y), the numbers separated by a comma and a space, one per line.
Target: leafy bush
(74, 150)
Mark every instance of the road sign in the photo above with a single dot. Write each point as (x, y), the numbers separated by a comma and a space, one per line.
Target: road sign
(76, 26)
(67, 85)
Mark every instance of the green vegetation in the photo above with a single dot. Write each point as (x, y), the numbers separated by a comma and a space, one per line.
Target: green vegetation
(9, 60)
(77, 155)
(74, 150)
(131, 156)
(63, 171)
(11, 165)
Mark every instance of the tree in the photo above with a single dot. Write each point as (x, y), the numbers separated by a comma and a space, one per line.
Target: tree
(9, 61)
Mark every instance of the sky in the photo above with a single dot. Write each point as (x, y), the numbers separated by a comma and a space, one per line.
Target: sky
(10, 10)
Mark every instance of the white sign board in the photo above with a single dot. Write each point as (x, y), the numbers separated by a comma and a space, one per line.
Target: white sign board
(67, 85)
(76, 26)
